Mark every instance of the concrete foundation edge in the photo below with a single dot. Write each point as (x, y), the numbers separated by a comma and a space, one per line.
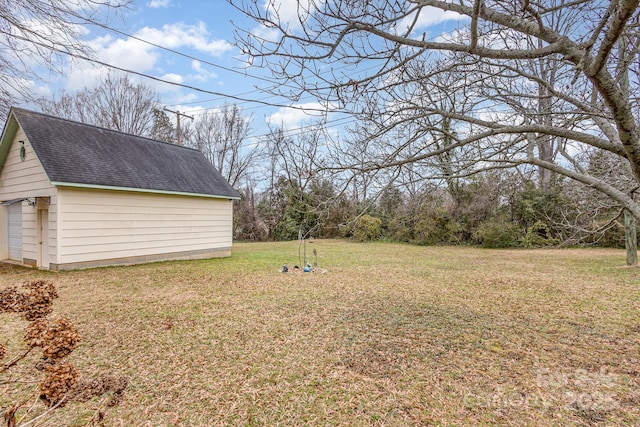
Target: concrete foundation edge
(172, 256)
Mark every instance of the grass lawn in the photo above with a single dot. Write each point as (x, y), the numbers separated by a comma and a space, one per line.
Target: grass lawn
(391, 335)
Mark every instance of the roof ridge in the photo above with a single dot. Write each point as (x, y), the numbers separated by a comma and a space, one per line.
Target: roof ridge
(101, 128)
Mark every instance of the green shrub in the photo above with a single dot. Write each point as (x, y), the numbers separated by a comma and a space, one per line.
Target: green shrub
(432, 227)
(367, 228)
(398, 231)
(495, 234)
(539, 235)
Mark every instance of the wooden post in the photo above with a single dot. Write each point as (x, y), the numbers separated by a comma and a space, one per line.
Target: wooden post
(178, 114)
(630, 238)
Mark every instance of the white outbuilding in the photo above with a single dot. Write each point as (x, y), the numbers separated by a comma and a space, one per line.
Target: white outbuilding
(76, 196)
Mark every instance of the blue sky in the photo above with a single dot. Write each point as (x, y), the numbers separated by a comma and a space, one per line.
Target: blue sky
(203, 31)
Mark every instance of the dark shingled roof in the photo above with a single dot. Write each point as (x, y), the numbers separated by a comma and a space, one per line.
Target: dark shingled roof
(76, 153)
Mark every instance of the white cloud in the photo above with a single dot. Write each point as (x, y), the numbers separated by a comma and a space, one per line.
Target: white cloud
(288, 12)
(15, 84)
(133, 54)
(262, 32)
(129, 54)
(201, 73)
(39, 31)
(294, 117)
(50, 30)
(182, 97)
(171, 93)
(82, 76)
(159, 4)
(172, 77)
(136, 55)
(192, 110)
(428, 16)
(179, 35)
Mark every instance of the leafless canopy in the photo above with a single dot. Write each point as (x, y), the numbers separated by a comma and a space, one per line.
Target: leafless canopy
(37, 33)
(223, 137)
(115, 102)
(517, 83)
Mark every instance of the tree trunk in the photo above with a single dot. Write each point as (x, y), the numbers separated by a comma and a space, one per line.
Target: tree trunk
(630, 238)
(545, 142)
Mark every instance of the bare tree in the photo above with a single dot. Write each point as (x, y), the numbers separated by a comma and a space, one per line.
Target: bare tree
(162, 129)
(287, 205)
(115, 102)
(223, 137)
(296, 158)
(546, 81)
(37, 34)
(589, 216)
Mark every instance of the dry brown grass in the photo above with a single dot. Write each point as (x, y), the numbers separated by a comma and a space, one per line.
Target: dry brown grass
(390, 335)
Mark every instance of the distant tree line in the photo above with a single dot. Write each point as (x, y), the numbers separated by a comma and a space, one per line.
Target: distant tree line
(490, 209)
(307, 196)
(291, 187)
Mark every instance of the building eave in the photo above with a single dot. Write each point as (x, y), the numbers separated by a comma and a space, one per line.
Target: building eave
(140, 190)
(9, 132)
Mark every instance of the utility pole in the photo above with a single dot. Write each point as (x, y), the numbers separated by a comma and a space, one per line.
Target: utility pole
(178, 114)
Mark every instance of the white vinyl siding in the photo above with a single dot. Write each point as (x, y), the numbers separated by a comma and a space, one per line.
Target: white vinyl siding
(101, 225)
(23, 178)
(27, 179)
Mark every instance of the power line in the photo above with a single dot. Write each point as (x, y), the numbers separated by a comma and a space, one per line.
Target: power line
(245, 74)
(221, 98)
(301, 130)
(238, 97)
(231, 70)
(218, 94)
(125, 70)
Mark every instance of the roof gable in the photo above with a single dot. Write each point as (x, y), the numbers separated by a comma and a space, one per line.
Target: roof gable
(77, 154)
